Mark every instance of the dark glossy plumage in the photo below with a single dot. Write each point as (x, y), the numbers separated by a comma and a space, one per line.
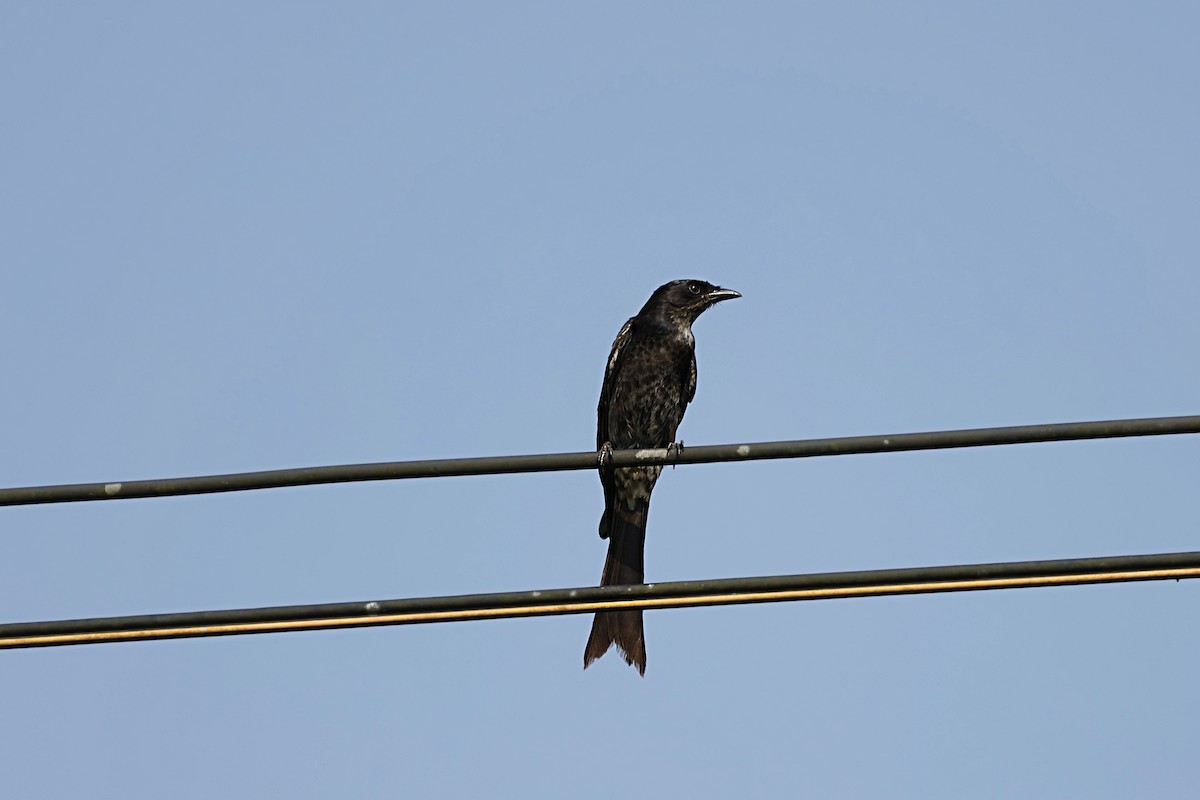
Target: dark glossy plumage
(648, 383)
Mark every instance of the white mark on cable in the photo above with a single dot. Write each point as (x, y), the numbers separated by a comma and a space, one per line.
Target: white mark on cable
(112, 488)
(887, 441)
(372, 607)
(743, 450)
(660, 453)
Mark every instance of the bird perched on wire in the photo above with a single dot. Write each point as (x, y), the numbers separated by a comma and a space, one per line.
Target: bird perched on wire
(649, 381)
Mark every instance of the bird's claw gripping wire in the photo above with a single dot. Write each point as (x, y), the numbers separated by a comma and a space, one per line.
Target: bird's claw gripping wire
(605, 453)
(674, 451)
(604, 456)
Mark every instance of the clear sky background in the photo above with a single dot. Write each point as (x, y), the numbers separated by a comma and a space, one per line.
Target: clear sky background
(244, 236)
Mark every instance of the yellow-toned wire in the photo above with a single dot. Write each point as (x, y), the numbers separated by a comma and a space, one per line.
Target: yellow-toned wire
(712, 599)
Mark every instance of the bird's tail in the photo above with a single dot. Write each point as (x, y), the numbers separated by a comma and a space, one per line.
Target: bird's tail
(624, 566)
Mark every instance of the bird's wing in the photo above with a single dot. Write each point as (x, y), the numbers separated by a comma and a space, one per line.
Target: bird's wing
(602, 435)
(610, 379)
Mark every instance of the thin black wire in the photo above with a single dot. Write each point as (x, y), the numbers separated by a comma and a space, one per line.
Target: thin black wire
(729, 591)
(496, 465)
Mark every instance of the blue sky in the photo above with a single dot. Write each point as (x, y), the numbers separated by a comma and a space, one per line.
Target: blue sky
(250, 236)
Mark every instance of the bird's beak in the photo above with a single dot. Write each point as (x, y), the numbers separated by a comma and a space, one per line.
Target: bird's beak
(719, 294)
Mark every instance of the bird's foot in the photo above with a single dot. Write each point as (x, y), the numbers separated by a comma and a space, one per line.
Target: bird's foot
(604, 456)
(674, 451)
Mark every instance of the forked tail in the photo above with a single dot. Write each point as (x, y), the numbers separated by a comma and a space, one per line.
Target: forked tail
(623, 566)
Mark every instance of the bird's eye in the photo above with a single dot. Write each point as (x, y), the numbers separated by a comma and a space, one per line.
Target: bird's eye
(694, 287)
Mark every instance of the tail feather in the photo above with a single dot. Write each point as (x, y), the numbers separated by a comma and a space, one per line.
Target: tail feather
(623, 566)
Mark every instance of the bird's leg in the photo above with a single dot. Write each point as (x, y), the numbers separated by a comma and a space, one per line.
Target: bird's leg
(674, 451)
(604, 456)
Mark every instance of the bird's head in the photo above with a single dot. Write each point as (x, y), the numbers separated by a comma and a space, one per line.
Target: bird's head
(686, 299)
